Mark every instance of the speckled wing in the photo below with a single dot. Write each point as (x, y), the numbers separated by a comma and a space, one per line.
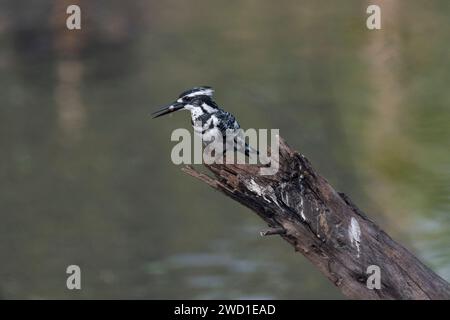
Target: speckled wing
(226, 121)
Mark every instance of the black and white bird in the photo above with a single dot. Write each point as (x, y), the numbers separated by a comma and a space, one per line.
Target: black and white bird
(208, 120)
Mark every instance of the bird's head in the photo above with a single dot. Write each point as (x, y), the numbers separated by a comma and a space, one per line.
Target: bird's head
(193, 98)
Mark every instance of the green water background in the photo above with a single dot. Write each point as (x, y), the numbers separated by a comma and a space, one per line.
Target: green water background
(86, 176)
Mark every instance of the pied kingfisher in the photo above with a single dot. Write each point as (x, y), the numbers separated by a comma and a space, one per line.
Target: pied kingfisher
(207, 119)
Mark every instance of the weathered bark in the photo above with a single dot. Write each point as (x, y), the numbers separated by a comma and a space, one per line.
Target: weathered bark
(327, 228)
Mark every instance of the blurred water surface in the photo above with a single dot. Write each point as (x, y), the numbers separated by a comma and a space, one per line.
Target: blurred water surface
(86, 176)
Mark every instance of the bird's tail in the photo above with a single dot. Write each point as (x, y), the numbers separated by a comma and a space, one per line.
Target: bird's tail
(242, 146)
(249, 150)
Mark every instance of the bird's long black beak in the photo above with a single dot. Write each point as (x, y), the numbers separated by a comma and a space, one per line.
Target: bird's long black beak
(168, 109)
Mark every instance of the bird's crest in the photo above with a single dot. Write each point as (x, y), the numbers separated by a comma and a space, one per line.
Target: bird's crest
(198, 91)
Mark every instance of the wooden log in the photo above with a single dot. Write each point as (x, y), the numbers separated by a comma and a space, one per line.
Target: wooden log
(326, 227)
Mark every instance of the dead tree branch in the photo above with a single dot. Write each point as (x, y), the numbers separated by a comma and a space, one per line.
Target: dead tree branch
(326, 227)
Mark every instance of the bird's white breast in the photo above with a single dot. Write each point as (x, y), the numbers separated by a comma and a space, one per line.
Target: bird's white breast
(210, 134)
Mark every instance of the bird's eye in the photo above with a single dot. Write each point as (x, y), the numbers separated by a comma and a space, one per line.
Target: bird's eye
(187, 99)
